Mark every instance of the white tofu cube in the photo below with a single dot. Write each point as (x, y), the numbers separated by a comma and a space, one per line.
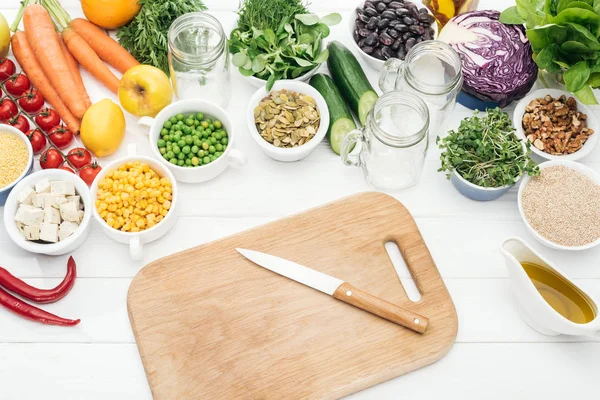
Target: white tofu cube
(42, 186)
(32, 232)
(29, 215)
(49, 232)
(21, 228)
(80, 214)
(69, 212)
(51, 215)
(38, 200)
(62, 187)
(75, 199)
(54, 200)
(66, 229)
(25, 196)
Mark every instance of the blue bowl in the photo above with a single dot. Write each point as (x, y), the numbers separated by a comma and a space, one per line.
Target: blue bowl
(472, 102)
(475, 192)
(14, 131)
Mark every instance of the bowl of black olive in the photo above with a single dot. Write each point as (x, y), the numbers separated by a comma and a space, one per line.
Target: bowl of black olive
(383, 29)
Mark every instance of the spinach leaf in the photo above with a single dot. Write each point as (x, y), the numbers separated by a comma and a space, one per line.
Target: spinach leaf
(544, 36)
(586, 18)
(586, 95)
(511, 16)
(577, 76)
(545, 59)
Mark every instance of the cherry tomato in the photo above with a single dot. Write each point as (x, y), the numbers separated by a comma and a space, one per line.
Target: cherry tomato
(65, 168)
(89, 172)
(60, 136)
(47, 119)
(32, 101)
(17, 84)
(8, 109)
(19, 122)
(79, 157)
(37, 139)
(51, 158)
(7, 68)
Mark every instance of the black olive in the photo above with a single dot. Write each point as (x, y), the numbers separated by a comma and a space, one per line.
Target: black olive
(355, 35)
(372, 39)
(369, 4)
(364, 32)
(380, 7)
(386, 52)
(407, 35)
(383, 23)
(393, 33)
(388, 14)
(367, 49)
(426, 18)
(386, 39)
(371, 12)
(400, 27)
(402, 12)
(395, 5)
(372, 24)
(408, 20)
(397, 45)
(377, 53)
(410, 43)
(401, 53)
(417, 29)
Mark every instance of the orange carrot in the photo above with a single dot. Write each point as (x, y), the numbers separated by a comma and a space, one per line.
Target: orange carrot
(43, 40)
(74, 67)
(106, 47)
(26, 58)
(88, 58)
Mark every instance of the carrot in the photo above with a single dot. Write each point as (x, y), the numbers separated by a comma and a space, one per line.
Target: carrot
(42, 38)
(26, 58)
(106, 47)
(74, 67)
(88, 58)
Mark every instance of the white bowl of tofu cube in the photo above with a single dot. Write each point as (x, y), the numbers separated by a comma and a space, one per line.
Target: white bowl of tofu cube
(49, 212)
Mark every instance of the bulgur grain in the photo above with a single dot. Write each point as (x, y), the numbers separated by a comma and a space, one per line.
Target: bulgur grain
(563, 205)
(13, 158)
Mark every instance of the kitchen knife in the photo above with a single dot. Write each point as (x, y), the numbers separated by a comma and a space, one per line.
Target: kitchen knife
(338, 289)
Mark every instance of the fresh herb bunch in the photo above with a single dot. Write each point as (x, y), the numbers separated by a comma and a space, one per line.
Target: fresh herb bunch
(485, 151)
(564, 36)
(276, 39)
(146, 36)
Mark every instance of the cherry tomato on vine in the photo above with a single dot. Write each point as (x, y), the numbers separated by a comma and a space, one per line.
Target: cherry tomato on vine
(69, 169)
(19, 122)
(51, 158)
(37, 139)
(61, 136)
(7, 68)
(32, 101)
(79, 157)
(47, 119)
(8, 109)
(89, 172)
(17, 84)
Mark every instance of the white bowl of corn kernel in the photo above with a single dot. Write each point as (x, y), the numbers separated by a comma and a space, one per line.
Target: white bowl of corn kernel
(135, 201)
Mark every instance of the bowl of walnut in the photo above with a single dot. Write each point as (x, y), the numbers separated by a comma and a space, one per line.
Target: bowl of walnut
(558, 126)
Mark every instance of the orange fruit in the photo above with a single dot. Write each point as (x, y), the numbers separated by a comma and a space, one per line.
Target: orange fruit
(110, 14)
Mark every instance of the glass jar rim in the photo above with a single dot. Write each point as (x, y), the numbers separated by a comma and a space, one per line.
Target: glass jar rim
(445, 53)
(406, 99)
(186, 21)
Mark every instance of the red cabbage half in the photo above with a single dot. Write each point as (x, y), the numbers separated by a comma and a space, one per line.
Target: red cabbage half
(497, 59)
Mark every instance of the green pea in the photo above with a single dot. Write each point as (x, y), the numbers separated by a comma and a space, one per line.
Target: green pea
(204, 146)
(173, 161)
(213, 140)
(189, 122)
(206, 160)
(189, 140)
(218, 154)
(213, 158)
(187, 130)
(170, 154)
(205, 134)
(162, 150)
(188, 161)
(218, 135)
(164, 132)
(211, 149)
(185, 149)
(208, 120)
(181, 156)
(181, 163)
(204, 124)
(168, 124)
(161, 143)
(219, 147)
(197, 142)
(195, 149)
(176, 150)
(195, 161)
(201, 153)
(218, 124)
(181, 143)
(178, 133)
(211, 127)
(224, 141)
(199, 116)
(165, 157)
(173, 120)
(196, 122)
(179, 117)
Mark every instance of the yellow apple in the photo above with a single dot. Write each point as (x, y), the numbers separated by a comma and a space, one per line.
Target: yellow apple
(144, 90)
(4, 37)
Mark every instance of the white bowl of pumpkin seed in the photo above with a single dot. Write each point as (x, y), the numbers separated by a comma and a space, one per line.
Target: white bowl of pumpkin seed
(289, 121)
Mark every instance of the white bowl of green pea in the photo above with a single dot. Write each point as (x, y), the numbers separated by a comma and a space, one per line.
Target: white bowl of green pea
(194, 139)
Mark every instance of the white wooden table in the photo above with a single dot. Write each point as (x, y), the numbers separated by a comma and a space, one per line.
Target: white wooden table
(496, 355)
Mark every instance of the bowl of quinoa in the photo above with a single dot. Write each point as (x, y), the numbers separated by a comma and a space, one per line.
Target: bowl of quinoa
(561, 206)
(16, 159)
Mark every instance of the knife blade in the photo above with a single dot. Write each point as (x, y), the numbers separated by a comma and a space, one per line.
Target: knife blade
(339, 289)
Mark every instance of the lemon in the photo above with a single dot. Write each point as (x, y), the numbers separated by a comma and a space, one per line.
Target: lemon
(4, 37)
(103, 128)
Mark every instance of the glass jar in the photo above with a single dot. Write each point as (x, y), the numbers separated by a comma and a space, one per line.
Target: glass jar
(433, 71)
(393, 143)
(198, 58)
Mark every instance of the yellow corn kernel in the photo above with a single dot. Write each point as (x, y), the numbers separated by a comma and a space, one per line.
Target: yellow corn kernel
(167, 204)
(103, 214)
(135, 229)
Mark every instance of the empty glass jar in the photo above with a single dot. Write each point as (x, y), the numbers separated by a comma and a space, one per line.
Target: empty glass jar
(198, 58)
(393, 143)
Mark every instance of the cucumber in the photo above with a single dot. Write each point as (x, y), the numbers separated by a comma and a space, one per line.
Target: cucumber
(350, 78)
(340, 118)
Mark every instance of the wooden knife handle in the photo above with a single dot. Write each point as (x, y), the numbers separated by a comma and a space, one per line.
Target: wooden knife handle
(365, 301)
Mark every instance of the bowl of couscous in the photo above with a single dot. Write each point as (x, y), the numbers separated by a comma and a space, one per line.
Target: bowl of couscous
(135, 201)
(16, 159)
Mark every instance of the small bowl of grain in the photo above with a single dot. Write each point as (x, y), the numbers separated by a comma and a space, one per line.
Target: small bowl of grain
(16, 159)
(561, 206)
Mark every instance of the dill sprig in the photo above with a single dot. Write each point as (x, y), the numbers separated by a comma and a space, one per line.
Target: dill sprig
(268, 14)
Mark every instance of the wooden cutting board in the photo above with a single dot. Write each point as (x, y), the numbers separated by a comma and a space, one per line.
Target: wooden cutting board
(210, 324)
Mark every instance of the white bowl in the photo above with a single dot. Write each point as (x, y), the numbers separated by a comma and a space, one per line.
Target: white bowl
(590, 173)
(136, 240)
(52, 249)
(371, 61)
(592, 122)
(5, 191)
(204, 172)
(257, 82)
(295, 153)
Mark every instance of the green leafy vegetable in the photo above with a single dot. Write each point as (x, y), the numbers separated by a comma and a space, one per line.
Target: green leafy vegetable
(485, 151)
(278, 39)
(145, 37)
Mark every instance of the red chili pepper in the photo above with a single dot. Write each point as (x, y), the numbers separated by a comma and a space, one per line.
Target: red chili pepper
(34, 294)
(33, 313)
